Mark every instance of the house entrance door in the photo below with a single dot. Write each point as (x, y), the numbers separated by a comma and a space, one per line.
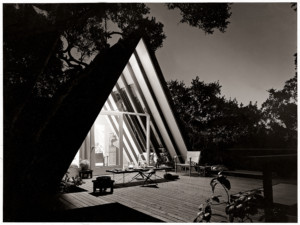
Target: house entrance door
(107, 151)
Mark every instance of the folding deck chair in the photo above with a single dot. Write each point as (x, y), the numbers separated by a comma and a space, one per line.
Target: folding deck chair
(147, 175)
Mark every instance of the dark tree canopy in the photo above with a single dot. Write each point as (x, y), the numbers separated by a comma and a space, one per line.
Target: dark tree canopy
(71, 34)
(206, 16)
(280, 111)
(65, 37)
(46, 46)
(208, 117)
(214, 123)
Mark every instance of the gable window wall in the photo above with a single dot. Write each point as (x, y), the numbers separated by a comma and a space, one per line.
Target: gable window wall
(135, 119)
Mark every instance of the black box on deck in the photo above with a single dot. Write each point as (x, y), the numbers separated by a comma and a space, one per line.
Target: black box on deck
(103, 178)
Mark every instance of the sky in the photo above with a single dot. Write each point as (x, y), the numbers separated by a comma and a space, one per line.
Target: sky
(254, 55)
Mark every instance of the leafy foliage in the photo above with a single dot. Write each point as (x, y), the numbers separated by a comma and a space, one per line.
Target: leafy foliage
(27, 52)
(67, 184)
(213, 123)
(73, 34)
(206, 16)
(63, 38)
(209, 118)
(244, 205)
(280, 111)
(238, 207)
(204, 214)
(223, 181)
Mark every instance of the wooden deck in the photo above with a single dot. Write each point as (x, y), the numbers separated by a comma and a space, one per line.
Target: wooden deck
(171, 201)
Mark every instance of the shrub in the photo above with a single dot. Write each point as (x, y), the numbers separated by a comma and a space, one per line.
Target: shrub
(238, 207)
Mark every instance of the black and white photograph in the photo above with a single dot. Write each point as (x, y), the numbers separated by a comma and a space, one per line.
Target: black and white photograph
(149, 112)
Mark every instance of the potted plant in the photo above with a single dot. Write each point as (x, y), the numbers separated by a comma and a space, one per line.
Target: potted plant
(84, 164)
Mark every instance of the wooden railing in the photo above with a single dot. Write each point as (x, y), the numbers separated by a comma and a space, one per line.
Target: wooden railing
(236, 157)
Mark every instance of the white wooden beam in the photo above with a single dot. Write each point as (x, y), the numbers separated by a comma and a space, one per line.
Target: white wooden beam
(148, 139)
(121, 140)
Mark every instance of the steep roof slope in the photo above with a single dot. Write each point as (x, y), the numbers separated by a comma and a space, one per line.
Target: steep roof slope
(34, 167)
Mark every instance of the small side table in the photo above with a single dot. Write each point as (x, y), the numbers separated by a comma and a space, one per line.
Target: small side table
(102, 183)
(86, 174)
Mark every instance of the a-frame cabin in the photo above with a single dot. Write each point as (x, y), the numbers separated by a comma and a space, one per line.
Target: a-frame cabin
(137, 117)
(124, 82)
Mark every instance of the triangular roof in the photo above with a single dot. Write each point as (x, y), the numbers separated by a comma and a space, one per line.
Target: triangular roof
(142, 88)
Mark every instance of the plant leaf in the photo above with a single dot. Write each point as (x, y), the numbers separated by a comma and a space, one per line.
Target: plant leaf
(199, 217)
(201, 207)
(216, 199)
(226, 183)
(213, 184)
(207, 217)
(208, 209)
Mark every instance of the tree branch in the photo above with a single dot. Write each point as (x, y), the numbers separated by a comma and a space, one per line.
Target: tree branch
(114, 32)
(71, 58)
(68, 47)
(69, 63)
(66, 37)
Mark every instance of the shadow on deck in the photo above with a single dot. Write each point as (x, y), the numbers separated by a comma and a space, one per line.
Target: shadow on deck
(140, 183)
(112, 212)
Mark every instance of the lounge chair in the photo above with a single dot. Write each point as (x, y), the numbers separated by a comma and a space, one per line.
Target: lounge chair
(191, 161)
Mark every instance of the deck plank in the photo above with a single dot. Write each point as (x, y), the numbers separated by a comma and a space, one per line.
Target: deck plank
(158, 213)
(71, 198)
(174, 201)
(161, 201)
(156, 210)
(68, 203)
